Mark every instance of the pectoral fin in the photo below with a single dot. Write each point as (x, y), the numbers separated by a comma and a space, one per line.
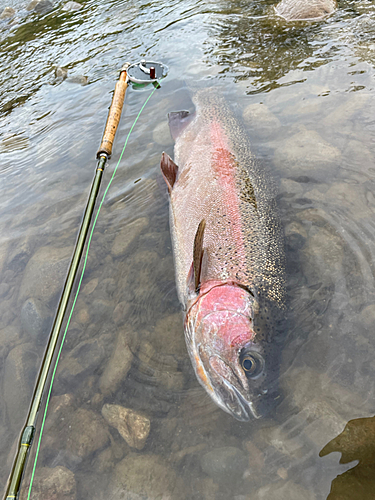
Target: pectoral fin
(169, 170)
(198, 253)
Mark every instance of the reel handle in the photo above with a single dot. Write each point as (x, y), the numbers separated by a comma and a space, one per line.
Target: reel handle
(114, 114)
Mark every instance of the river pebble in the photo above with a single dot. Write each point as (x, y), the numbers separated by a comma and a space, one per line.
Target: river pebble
(34, 320)
(83, 359)
(71, 6)
(40, 6)
(132, 426)
(84, 433)
(161, 134)
(119, 363)
(307, 153)
(261, 122)
(44, 274)
(297, 10)
(126, 235)
(20, 373)
(146, 477)
(223, 464)
(168, 336)
(7, 13)
(56, 483)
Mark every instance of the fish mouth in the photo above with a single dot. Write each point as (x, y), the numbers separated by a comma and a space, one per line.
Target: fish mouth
(231, 400)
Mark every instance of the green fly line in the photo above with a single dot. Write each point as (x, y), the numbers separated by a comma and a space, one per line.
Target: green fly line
(76, 295)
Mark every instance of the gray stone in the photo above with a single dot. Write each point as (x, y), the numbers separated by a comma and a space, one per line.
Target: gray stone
(61, 73)
(44, 274)
(56, 483)
(71, 6)
(300, 10)
(100, 310)
(226, 463)
(85, 433)
(260, 120)
(307, 153)
(20, 373)
(84, 358)
(162, 135)
(131, 425)
(144, 477)
(34, 320)
(168, 336)
(40, 6)
(9, 338)
(126, 235)
(7, 13)
(4, 289)
(119, 363)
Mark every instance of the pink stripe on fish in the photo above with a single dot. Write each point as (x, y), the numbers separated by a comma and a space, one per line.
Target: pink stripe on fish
(225, 166)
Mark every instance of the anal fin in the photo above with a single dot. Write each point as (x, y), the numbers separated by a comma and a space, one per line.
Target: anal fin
(169, 170)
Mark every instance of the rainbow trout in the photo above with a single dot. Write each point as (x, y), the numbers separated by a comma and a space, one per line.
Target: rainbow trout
(228, 255)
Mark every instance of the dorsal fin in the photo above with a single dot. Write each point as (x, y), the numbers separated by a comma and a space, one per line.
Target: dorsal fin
(169, 170)
(178, 121)
(198, 253)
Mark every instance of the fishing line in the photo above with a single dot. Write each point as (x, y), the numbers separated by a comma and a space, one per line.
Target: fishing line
(76, 295)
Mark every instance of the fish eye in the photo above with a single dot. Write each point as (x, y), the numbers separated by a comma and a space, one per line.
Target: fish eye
(252, 363)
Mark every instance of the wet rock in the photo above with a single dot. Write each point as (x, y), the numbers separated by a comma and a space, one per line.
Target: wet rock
(261, 121)
(83, 316)
(20, 373)
(90, 287)
(84, 433)
(119, 363)
(34, 320)
(300, 10)
(159, 368)
(289, 188)
(4, 289)
(367, 317)
(61, 73)
(162, 135)
(346, 111)
(146, 477)
(351, 197)
(226, 463)
(84, 358)
(126, 235)
(71, 6)
(284, 491)
(104, 462)
(56, 483)
(7, 13)
(100, 310)
(132, 426)
(308, 153)
(168, 336)
(20, 253)
(78, 79)
(44, 274)
(9, 338)
(40, 6)
(121, 312)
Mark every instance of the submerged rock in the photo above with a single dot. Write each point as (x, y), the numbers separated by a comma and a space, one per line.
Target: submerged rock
(56, 483)
(7, 13)
(133, 426)
(118, 365)
(84, 433)
(34, 320)
(126, 235)
(305, 10)
(40, 6)
(145, 477)
(19, 378)
(70, 6)
(44, 274)
(226, 463)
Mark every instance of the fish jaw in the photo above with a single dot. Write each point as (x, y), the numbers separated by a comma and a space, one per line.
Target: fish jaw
(219, 333)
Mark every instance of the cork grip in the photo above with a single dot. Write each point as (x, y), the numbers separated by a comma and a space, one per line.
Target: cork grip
(114, 116)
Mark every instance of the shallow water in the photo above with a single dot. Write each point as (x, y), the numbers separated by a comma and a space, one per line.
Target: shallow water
(306, 94)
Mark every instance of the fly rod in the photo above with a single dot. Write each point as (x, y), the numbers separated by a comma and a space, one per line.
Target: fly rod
(140, 73)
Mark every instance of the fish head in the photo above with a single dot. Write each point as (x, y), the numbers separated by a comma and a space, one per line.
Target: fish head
(230, 353)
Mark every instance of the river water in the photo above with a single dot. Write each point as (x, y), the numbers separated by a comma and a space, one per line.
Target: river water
(305, 92)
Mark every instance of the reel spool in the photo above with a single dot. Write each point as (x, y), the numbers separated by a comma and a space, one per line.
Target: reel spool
(146, 72)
